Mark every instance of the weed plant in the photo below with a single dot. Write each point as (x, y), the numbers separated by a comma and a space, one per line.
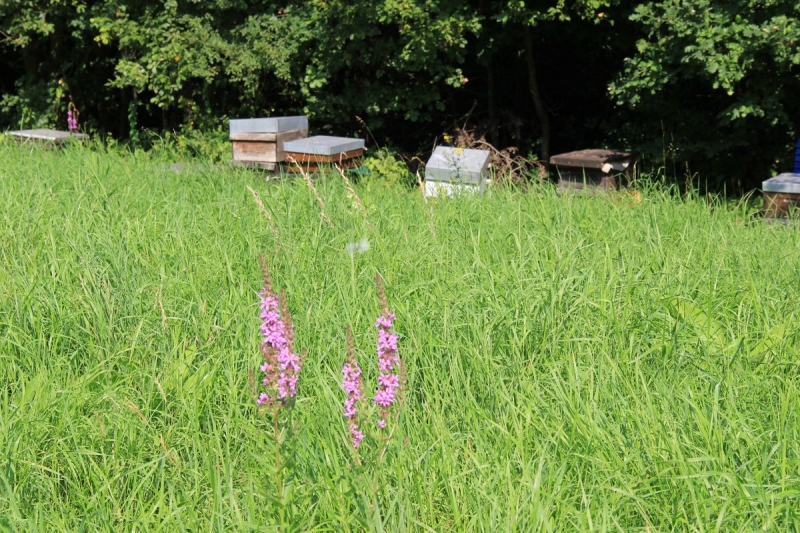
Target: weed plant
(572, 364)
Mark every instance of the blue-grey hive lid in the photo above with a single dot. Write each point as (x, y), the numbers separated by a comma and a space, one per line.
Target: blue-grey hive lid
(323, 145)
(786, 183)
(268, 125)
(460, 165)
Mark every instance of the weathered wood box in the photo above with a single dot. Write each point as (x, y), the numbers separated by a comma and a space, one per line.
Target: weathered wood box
(781, 195)
(593, 171)
(47, 137)
(454, 170)
(259, 141)
(312, 152)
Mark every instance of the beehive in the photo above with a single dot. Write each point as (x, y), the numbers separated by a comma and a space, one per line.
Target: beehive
(260, 141)
(781, 195)
(453, 170)
(593, 171)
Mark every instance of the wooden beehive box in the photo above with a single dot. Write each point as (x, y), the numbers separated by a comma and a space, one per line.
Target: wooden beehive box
(453, 170)
(781, 195)
(593, 171)
(312, 152)
(259, 141)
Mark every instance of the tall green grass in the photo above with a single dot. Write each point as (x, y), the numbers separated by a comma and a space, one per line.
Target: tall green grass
(573, 363)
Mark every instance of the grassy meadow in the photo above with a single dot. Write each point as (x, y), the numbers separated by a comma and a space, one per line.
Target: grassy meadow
(573, 364)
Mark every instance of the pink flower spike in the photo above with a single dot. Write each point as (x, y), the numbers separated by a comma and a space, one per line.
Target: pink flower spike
(353, 385)
(357, 435)
(72, 118)
(389, 380)
(281, 366)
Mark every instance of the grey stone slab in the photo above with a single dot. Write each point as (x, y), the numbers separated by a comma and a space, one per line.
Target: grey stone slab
(54, 136)
(458, 165)
(268, 124)
(785, 183)
(323, 145)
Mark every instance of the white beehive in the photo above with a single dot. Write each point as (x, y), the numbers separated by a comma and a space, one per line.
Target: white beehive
(452, 170)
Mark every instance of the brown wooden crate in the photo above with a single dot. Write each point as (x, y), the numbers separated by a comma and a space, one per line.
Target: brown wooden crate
(778, 204)
(282, 136)
(314, 158)
(260, 137)
(255, 151)
(265, 151)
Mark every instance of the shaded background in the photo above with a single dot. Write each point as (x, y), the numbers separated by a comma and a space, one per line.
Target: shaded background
(706, 92)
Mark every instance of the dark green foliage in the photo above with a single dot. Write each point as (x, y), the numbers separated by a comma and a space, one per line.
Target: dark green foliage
(721, 80)
(710, 86)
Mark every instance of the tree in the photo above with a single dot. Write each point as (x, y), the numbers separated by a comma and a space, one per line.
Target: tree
(722, 77)
(48, 56)
(381, 59)
(518, 13)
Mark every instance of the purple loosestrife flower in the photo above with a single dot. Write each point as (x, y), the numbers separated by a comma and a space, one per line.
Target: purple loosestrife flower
(72, 118)
(389, 365)
(281, 366)
(353, 385)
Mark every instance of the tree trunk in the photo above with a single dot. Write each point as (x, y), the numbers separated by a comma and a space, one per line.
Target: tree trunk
(538, 105)
(492, 102)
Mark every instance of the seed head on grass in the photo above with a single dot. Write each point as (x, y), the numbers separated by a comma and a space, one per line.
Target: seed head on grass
(313, 189)
(351, 192)
(270, 221)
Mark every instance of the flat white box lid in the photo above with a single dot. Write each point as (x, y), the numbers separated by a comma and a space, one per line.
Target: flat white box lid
(48, 135)
(787, 182)
(457, 165)
(323, 145)
(268, 125)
